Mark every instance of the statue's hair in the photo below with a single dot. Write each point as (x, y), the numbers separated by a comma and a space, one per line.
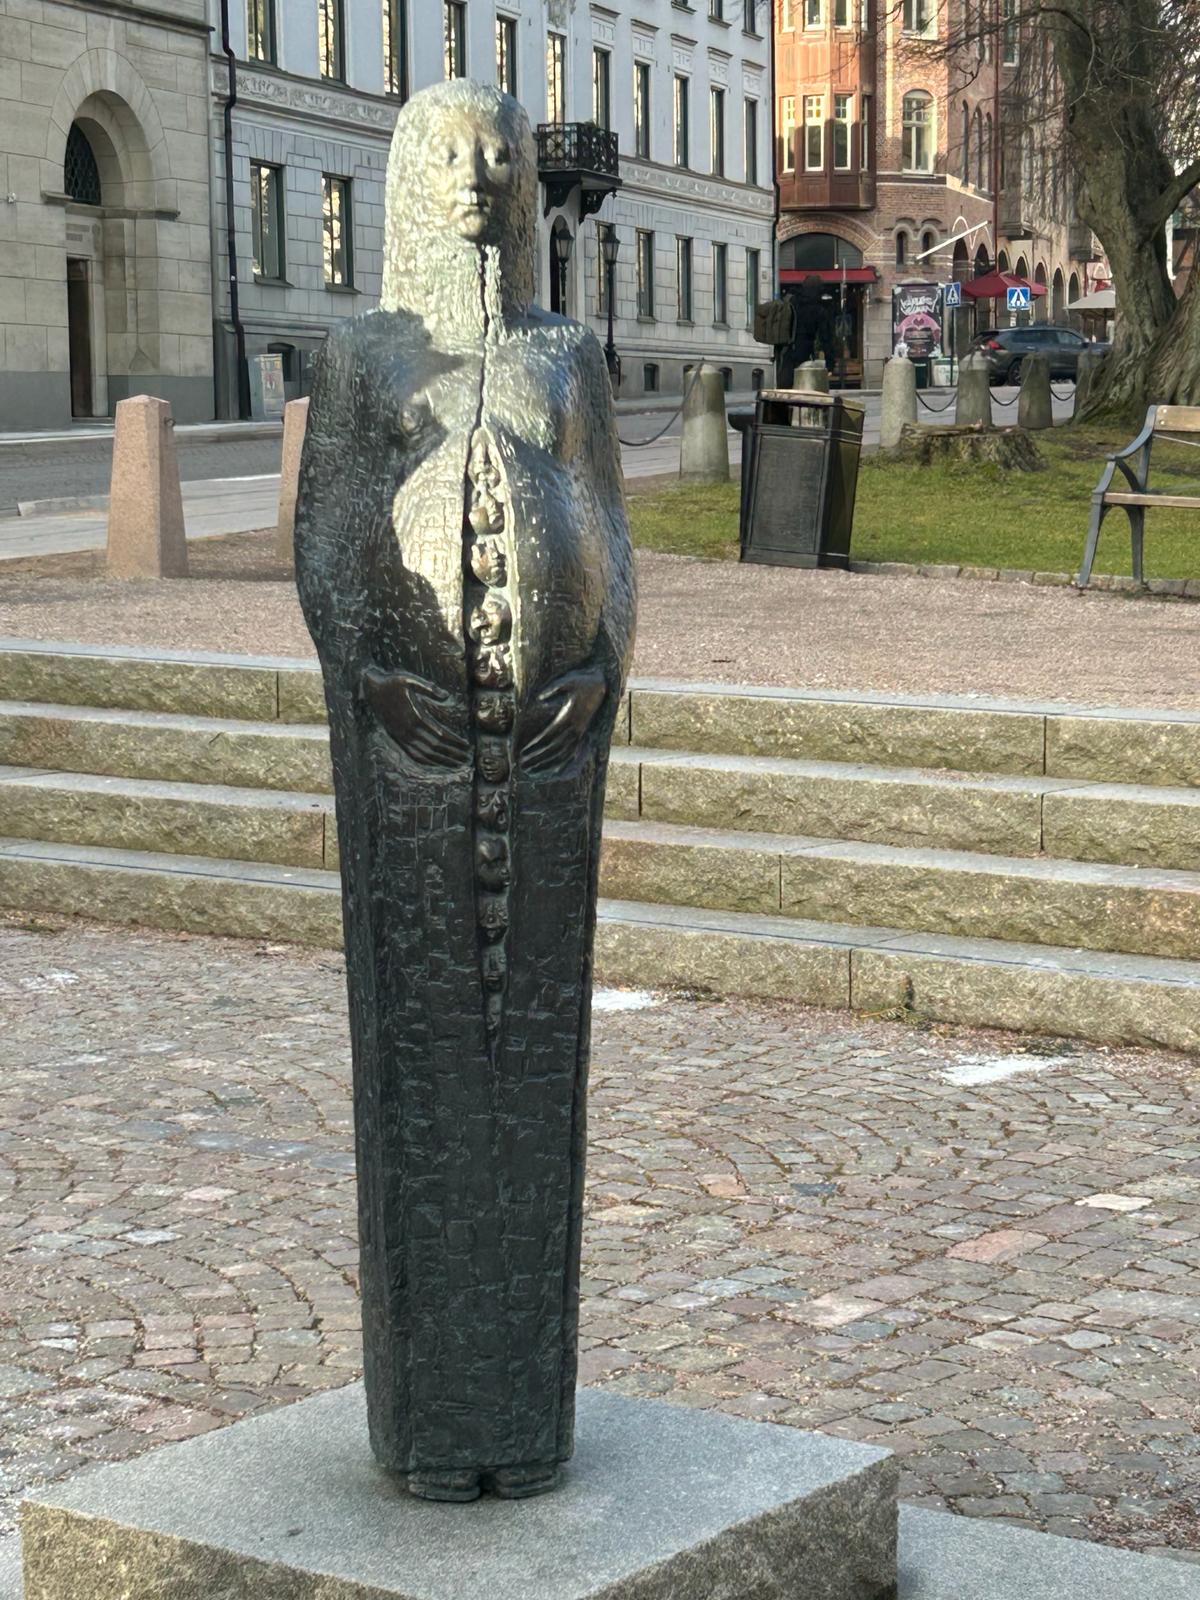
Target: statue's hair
(426, 266)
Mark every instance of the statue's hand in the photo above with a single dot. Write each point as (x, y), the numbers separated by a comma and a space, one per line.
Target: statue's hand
(558, 719)
(410, 711)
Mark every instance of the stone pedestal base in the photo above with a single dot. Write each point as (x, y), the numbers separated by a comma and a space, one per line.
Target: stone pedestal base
(659, 1503)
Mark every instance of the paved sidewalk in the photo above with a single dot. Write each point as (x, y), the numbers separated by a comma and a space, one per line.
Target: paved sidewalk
(988, 1262)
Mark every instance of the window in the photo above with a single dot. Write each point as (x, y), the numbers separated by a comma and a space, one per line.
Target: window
(556, 78)
(338, 231)
(645, 273)
(716, 10)
(716, 130)
(682, 118)
(650, 378)
(720, 283)
(814, 132)
(901, 248)
(641, 108)
(749, 16)
(753, 268)
(814, 13)
(756, 378)
(81, 173)
(604, 230)
(979, 168)
(1011, 34)
(787, 12)
(864, 133)
(841, 14)
(750, 129)
(602, 88)
(842, 105)
(331, 39)
(454, 39)
(787, 132)
(395, 47)
(918, 16)
(506, 54)
(260, 30)
(928, 243)
(966, 143)
(266, 223)
(683, 276)
(918, 132)
(989, 176)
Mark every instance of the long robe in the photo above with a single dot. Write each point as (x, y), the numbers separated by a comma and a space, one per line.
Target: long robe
(470, 1044)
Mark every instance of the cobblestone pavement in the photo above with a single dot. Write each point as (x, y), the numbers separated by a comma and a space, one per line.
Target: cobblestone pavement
(981, 1254)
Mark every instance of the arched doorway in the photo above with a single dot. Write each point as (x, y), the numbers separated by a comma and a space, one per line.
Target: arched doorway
(110, 198)
(1073, 317)
(1041, 302)
(1058, 298)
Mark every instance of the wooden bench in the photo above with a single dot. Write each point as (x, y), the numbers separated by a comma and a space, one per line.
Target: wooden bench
(1180, 422)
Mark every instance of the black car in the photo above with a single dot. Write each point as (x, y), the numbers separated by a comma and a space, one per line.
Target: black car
(1006, 349)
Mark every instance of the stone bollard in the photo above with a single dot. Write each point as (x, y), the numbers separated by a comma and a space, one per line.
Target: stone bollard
(1034, 408)
(812, 375)
(704, 447)
(899, 403)
(973, 406)
(1090, 362)
(295, 420)
(146, 537)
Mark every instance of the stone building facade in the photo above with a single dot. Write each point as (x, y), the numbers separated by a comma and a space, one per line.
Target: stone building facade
(903, 163)
(105, 258)
(319, 83)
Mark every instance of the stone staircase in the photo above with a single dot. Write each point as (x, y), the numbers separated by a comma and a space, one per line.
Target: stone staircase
(1032, 867)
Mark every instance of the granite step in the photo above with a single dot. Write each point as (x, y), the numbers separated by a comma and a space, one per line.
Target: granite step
(959, 733)
(53, 747)
(1138, 911)
(878, 970)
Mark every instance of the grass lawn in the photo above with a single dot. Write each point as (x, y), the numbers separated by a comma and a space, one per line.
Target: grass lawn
(966, 516)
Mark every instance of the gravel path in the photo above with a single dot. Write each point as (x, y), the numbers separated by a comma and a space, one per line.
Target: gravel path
(702, 620)
(988, 1262)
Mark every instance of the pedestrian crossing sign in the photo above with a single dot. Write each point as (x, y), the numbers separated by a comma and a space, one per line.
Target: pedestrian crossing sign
(952, 295)
(1018, 298)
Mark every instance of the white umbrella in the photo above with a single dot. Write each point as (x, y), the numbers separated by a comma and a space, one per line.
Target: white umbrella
(1098, 300)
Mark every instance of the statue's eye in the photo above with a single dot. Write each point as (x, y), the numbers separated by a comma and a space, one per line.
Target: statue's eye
(451, 154)
(500, 156)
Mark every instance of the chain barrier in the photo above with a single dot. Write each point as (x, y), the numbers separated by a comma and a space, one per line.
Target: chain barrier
(996, 400)
(1070, 394)
(937, 409)
(634, 444)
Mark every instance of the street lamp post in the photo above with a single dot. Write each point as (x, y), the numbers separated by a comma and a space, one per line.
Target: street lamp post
(610, 245)
(563, 242)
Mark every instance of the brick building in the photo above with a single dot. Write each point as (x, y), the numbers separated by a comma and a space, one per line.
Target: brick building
(902, 162)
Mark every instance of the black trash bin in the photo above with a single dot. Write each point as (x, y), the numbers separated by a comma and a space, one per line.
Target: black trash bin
(799, 485)
(743, 423)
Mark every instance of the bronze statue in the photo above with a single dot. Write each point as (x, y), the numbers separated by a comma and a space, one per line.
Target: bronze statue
(464, 565)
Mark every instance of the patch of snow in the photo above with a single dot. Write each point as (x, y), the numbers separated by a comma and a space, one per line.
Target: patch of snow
(974, 1071)
(622, 1000)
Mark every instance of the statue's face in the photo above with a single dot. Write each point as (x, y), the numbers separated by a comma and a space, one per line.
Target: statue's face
(471, 169)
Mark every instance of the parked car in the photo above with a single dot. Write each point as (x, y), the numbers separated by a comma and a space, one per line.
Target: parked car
(1006, 349)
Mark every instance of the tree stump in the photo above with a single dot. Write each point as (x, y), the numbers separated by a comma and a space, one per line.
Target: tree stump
(1011, 449)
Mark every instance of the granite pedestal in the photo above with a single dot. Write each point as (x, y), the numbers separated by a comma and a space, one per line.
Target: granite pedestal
(660, 1502)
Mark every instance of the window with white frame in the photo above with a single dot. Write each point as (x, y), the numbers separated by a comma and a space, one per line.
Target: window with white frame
(331, 42)
(266, 220)
(395, 47)
(602, 88)
(1010, 43)
(842, 14)
(750, 151)
(260, 30)
(865, 110)
(753, 268)
(645, 273)
(814, 132)
(918, 16)
(843, 111)
(787, 14)
(682, 121)
(683, 277)
(337, 230)
(506, 54)
(720, 283)
(787, 132)
(454, 39)
(917, 126)
(716, 130)
(814, 13)
(556, 77)
(641, 108)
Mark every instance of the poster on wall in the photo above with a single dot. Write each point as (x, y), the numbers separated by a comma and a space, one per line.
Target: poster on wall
(917, 319)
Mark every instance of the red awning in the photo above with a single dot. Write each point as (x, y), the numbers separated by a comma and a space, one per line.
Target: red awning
(994, 285)
(829, 274)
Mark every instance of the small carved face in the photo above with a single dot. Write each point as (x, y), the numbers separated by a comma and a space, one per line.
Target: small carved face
(493, 760)
(494, 712)
(493, 915)
(491, 621)
(489, 564)
(470, 173)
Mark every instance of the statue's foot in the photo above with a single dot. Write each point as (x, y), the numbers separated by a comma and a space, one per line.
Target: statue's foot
(519, 1483)
(457, 1486)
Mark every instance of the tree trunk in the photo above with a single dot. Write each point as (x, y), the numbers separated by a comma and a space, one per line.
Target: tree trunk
(1175, 359)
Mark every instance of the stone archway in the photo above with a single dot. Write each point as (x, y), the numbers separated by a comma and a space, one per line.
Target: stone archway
(114, 328)
(1058, 298)
(1041, 302)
